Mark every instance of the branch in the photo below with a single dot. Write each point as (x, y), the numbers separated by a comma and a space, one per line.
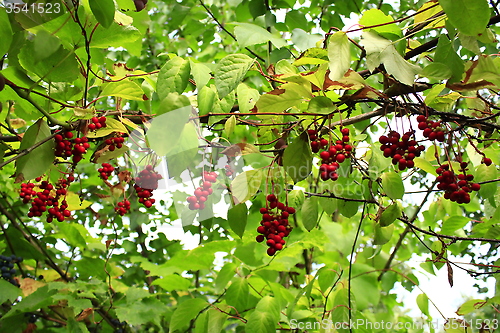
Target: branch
(27, 150)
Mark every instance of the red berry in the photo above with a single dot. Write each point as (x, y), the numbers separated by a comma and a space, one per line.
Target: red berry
(290, 210)
(345, 131)
(421, 118)
(259, 238)
(271, 251)
(271, 198)
(487, 161)
(340, 158)
(475, 187)
(324, 155)
(68, 135)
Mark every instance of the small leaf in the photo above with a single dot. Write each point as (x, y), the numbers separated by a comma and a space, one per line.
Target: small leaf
(393, 185)
(423, 303)
(200, 73)
(425, 165)
(186, 311)
(229, 126)
(237, 218)
(173, 77)
(247, 97)
(36, 162)
(339, 55)
(230, 71)
(390, 214)
(248, 34)
(283, 98)
(470, 306)
(245, 185)
(104, 11)
(75, 203)
(377, 17)
(297, 158)
(310, 213)
(383, 234)
(470, 17)
(322, 105)
(125, 89)
(165, 130)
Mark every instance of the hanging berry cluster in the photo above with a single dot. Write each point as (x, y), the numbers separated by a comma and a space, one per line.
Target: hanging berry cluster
(116, 142)
(335, 154)
(432, 129)
(456, 187)
(123, 207)
(66, 146)
(7, 268)
(105, 171)
(97, 123)
(197, 201)
(145, 183)
(402, 149)
(316, 142)
(49, 196)
(274, 226)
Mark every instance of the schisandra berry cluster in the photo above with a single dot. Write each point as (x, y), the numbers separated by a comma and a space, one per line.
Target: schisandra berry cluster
(274, 226)
(456, 187)
(49, 196)
(116, 142)
(402, 149)
(7, 268)
(105, 171)
(146, 182)
(97, 123)
(335, 154)
(66, 146)
(432, 129)
(197, 201)
(123, 207)
(316, 142)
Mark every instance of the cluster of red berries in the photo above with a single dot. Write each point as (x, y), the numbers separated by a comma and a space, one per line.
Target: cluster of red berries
(48, 197)
(146, 182)
(116, 142)
(67, 146)
(123, 207)
(106, 171)
(97, 123)
(403, 149)
(197, 201)
(432, 129)
(456, 187)
(229, 170)
(316, 142)
(335, 154)
(274, 226)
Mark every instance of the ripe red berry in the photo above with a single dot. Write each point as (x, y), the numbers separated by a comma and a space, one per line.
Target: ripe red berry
(325, 155)
(487, 161)
(345, 131)
(340, 158)
(271, 198)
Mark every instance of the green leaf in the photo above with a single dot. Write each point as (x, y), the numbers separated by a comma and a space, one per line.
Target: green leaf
(5, 32)
(453, 223)
(104, 11)
(437, 70)
(72, 235)
(38, 161)
(247, 97)
(380, 50)
(225, 275)
(340, 312)
(165, 130)
(297, 158)
(200, 73)
(125, 89)
(245, 185)
(173, 101)
(425, 165)
(76, 327)
(310, 213)
(146, 310)
(248, 34)
(382, 234)
(206, 100)
(184, 152)
(186, 311)
(295, 19)
(288, 95)
(377, 17)
(237, 218)
(114, 36)
(339, 55)
(229, 126)
(45, 45)
(393, 185)
(237, 294)
(470, 17)
(321, 105)
(38, 299)
(8, 292)
(390, 214)
(173, 77)
(423, 303)
(230, 72)
(173, 282)
(265, 317)
(446, 55)
(470, 306)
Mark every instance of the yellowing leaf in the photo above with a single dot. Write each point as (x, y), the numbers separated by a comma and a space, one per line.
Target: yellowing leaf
(424, 15)
(74, 202)
(125, 89)
(339, 55)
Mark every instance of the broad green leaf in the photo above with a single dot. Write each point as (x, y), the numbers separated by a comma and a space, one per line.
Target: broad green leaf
(248, 34)
(393, 185)
(200, 73)
(237, 294)
(173, 282)
(185, 312)
(40, 298)
(295, 19)
(288, 95)
(446, 55)
(173, 77)
(364, 285)
(237, 218)
(114, 36)
(470, 17)
(423, 303)
(45, 45)
(310, 213)
(72, 235)
(247, 97)
(377, 17)
(229, 126)
(437, 70)
(321, 105)
(453, 223)
(5, 32)
(125, 89)
(225, 275)
(390, 214)
(76, 326)
(383, 234)
(340, 312)
(206, 100)
(38, 161)
(485, 173)
(8, 292)
(425, 165)
(377, 163)
(230, 72)
(326, 278)
(165, 130)
(339, 55)
(104, 11)
(380, 50)
(265, 317)
(245, 185)
(470, 306)
(285, 67)
(173, 101)
(146, 310)
(297, 158)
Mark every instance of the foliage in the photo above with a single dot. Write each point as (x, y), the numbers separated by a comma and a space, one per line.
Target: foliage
(312, 148)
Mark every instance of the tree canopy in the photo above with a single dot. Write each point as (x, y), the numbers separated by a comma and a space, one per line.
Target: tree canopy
(312, 148)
